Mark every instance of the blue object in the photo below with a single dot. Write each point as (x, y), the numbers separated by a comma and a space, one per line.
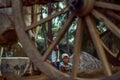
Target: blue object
(62, 64)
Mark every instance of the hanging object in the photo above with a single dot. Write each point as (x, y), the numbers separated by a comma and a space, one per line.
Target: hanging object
(8, 35)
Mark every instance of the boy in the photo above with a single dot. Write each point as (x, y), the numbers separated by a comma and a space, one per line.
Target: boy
(65, 66)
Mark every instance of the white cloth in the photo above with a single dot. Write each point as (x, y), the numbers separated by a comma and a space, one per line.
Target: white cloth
(55, 56)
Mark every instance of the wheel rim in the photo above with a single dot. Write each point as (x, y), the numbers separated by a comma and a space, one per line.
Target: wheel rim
(40, 61)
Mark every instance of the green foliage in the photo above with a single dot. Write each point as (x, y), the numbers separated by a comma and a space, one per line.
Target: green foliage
(101, 27)
(87, 45)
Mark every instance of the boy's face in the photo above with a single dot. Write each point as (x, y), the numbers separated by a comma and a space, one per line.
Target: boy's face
(65, 60)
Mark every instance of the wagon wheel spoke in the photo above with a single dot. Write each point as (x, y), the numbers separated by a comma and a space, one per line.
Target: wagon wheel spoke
(77, 48)
(18, 28)
(59, 36)
(31, 51)
(115, 61)
(112, 14)
(107, 5)
(110, 25)
(115, 76)
(98, 46)
(82, 13)
(107, 49)
(46, 19)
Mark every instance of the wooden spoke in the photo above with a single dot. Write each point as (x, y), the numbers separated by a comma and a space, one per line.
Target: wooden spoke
(98, 46)
(30, 48)
(46, 19)
(1, 52)
(77, 47)
(115, 76)
(111, 26)
(113, 15)
(84, 79)
(84, 15)
(111, 58)
(111, 53)
(59, 37)
(107, 5)
(104, 33)
(26, 2)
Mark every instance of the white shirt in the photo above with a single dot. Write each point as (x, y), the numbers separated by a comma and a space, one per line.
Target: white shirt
(54, 56)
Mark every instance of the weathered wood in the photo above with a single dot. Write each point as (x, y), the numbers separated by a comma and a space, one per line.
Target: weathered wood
(104, 34)
(30, 48)
(46, 19)
(98, 46)
(106, 5)
(34, 18)
(59, 36)
(110, 57)
(1, 52)
(118, 55)
(110, 25)
(33, 53)
(8, 3)
(115, 76)
(77, 48)
(113, 15)
(50, 32)
(2, 78)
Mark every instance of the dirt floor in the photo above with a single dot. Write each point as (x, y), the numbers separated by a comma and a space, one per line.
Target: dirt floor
(11, 76)
(41, 77)
(84, 74)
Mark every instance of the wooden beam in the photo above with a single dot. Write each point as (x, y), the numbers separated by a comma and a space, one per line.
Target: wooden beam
(30, 48)
(113, 15)
(1, 52)
(59, 36)
(115, 76)
(98, 46)
(46, 19)
(50, 32)
(8, 3)
(106, 5)
(110, 57)
(109, 24)
(77, 49)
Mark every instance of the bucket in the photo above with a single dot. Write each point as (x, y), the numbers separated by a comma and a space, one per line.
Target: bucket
(15, 65)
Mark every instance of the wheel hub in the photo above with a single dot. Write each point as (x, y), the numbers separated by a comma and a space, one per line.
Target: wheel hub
(81, 7)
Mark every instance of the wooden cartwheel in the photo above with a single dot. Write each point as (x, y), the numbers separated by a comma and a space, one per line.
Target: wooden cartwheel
(86, 11)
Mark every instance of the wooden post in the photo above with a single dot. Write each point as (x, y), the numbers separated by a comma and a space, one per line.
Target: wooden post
(50, 36)
(44, 31)
(34, 16)
(26, 2)
(1, 52)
